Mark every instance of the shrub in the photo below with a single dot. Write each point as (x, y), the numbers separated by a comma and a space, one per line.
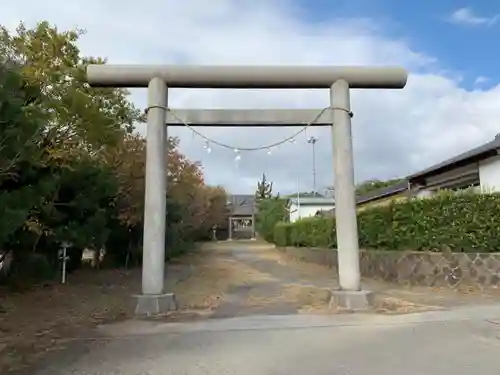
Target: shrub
(282, 233)
(460, 222)
(270, 211)
(314, 232)
(32, 268)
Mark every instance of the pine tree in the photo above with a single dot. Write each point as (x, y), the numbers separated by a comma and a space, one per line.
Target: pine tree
(264, 188)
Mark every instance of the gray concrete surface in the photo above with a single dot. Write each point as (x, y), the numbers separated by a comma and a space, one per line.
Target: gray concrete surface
(358, 300)
(457, 342)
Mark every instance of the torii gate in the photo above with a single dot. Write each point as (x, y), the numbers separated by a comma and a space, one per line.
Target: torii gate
(158, 79)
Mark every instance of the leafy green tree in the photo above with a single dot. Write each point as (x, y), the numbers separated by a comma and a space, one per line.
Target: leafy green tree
(78, 116)
(53, 130)
(269, 212)
(71, 168)
(83, 205)
(20, 132)
(21, 124)
(264, 188)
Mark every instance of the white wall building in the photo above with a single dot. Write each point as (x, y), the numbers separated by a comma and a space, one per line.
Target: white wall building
(478, 168)
(489, 174)
(308, 206)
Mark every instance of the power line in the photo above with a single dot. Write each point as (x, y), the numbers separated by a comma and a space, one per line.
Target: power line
(237, 149)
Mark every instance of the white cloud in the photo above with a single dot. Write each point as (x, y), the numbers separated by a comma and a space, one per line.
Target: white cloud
(466, 16)
(395, 132)
(481, 80)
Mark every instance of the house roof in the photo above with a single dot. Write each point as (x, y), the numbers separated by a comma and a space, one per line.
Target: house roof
(313, 201)
(479, 153)
(375, 194)
(383, 192)
(241, 205)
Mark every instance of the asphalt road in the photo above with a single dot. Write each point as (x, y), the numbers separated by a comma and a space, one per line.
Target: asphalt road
(459, 342)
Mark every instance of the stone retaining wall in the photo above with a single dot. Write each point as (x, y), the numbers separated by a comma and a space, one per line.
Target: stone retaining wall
(453, 270)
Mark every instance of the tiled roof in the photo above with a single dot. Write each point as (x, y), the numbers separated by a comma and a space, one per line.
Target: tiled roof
(305, 201)
(383, 192)
(241, 205)
(481, 152)
(376, 194)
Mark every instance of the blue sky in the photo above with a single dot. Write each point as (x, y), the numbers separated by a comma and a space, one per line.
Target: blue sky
(468, 47)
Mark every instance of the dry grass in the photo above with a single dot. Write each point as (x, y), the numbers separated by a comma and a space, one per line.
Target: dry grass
(304, 298)
(212, 278)
(392, 305)
(315, 300)
(284, 260)
(271, 253)
(40, 320)
(399, 298)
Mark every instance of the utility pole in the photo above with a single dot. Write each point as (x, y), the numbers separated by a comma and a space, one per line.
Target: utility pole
(298, 196)
(312, 140)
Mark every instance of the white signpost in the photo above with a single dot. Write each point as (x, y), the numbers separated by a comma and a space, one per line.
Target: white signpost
(63, 255)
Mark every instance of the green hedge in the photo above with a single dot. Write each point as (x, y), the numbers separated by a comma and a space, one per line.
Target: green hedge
(464, 222)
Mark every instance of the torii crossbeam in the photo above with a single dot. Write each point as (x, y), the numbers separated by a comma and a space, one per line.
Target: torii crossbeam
(337, 79)
(248, 117)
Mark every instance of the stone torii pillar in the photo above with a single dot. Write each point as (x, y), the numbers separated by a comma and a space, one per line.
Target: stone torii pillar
(338, 80)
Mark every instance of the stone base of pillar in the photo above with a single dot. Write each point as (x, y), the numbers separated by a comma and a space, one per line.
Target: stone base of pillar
(352, 300)
(155, 304)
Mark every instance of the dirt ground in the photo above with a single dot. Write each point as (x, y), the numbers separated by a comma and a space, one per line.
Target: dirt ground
(42, 319)
(215, 281)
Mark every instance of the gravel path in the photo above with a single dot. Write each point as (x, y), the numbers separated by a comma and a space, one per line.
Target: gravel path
(294, 287)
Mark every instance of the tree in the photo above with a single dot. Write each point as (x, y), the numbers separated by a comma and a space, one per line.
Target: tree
(71, 168)
(20, 151)
(270, 211)
(42, 203)
(55, 130)
(264, 188)
(372, 185)
(217, 212)
(21, 125)
(185, 184)
(127, 159)
(78, 117)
